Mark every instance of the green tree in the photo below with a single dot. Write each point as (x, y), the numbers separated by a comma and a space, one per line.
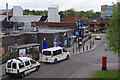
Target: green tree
(34, 12)
(62, 14)
(45, 12)
(71, 12)
(113, 33)
(39, 12)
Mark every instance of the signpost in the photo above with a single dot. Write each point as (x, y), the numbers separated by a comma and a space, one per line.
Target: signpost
(22, 53)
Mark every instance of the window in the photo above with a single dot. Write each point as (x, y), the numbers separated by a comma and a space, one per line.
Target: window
(101, 15)
(27, 63)
(8, 65)
(102, 11)
(57, 52)
(21, 65)
(109, 7)
(64, 50)
(32, 62)
(92, 25)
(110, 12)
(46, 52)
(14, 66)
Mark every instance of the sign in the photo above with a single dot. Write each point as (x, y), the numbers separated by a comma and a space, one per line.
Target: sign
(69, 43)
(2, 51)
(44, 45)
(22, 53)
(65, 42)
(76, 33)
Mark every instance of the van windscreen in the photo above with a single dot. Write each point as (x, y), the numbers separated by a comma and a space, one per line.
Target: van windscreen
(46, 52)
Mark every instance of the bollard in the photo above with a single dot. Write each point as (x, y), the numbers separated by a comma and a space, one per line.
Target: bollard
(104, 63)
(73, 50)
(83, 48)
(90, 46)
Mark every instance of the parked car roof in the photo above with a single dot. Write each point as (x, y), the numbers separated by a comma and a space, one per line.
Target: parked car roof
(52, 49)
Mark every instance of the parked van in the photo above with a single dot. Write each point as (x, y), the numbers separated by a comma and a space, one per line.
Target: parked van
(54, 54)
(21, 66)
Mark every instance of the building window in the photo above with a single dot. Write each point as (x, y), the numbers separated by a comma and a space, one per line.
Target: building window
(92, 25)
(109, 7)
(101, 15)
(108, 12)
(102, 11)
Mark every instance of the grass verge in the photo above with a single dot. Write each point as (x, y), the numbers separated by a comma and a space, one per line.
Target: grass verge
(106, 75)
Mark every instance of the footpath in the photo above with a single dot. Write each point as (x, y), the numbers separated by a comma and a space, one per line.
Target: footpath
(88, 46)
(89, 71)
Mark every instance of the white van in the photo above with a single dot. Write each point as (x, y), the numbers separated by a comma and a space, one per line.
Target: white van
(21, 66)
(54, 54)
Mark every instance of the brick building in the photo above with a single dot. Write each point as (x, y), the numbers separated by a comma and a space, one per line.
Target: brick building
(72, 19)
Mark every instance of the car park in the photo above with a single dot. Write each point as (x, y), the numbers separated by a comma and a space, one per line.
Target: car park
(54, 54)
(21, 66)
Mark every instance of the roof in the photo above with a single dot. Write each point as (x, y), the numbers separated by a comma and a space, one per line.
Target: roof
(26, 45)
(24, 58)
(52, 49)
(44, 30)
(19, 59)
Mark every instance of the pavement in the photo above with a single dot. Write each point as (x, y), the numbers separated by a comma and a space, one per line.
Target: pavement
(90, 70)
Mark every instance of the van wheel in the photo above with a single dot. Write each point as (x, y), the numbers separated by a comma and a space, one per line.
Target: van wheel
(55, 61)
(67, 57)
(22, 75)
(37, 68)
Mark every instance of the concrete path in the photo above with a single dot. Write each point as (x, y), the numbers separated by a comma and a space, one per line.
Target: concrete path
(89, 71)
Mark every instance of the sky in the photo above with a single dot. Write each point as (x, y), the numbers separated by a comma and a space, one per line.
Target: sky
(78, 5)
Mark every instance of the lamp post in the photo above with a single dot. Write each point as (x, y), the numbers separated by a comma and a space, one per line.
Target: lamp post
(96, 26)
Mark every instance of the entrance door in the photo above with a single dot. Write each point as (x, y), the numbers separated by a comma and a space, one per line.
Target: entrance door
(44, 44)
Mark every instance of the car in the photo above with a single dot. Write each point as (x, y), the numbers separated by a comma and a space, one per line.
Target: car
(97, 37)
(21, 66)
(54, 54)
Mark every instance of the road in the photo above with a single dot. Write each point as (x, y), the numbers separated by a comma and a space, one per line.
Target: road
(66, 68)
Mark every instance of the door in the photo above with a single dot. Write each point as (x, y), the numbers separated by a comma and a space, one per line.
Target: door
(64, 52)
(44, 44)
(8, 67)
(14, 68)
(27, 65)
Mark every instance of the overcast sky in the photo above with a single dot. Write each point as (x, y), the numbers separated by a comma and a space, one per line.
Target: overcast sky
(78, 5)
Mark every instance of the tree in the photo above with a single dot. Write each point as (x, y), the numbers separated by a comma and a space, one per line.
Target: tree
(39, 12)
(62, 14)
(71, 12)
(113, 33)
(45, 12)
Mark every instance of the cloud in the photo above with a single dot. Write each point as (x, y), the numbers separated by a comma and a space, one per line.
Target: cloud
(63, 4)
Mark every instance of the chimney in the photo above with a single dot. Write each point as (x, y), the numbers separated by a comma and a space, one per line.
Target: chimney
(7, 10)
